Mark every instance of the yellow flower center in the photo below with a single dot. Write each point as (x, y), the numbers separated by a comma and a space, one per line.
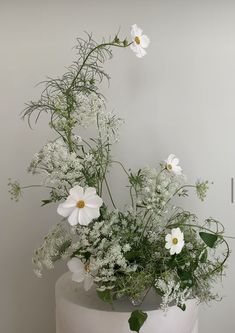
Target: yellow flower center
(175, 241)
(81, 204)
(137, 40)
(87, 268)
(169, 167)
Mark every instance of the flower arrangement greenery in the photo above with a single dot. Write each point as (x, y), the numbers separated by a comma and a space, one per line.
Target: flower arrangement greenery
(151, 243)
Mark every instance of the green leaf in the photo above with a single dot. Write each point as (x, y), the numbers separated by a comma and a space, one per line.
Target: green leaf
(209, 239)
(46, 202)
(132, 255)
(203, 258)
(186, 277)
(137, 320)
(182, 307)
(105, 295)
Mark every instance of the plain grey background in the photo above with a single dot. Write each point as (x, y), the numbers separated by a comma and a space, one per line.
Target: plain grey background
(178, 99)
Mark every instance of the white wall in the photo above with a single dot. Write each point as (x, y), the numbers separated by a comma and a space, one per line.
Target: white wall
(180, 98)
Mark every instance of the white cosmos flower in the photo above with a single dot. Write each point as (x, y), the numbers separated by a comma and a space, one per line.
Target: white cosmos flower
(81, 272)
(140, 41)
(172, 164)
(81, 206)
(175, 241)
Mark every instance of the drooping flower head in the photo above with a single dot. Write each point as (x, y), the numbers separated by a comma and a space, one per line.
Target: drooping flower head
(172, 165)
(175, 241)
(81, 206)
(140, 41)
(81, 272)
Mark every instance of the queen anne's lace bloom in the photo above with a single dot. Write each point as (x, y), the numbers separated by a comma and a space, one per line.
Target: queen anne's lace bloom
(59, 167)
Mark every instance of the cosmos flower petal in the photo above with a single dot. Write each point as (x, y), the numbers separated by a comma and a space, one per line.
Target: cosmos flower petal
(168, 238)
(85, 216)
(73, 218)
(175, 232)
(76, 192)
(178, 248)
(75, 265)
(70, 202)
(94, 201)
(144, 41)
(88, 282)
(168, 246)
(78, 276)
(172, 250)
(141, 52)
(90, 191)
(177, 170)
(136, 31)
(133, 47)
(64, 211)
(175, 161)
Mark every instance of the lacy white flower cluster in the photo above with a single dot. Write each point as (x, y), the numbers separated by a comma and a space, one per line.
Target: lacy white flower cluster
(171, 291)
(158, 188)
(61, 169)
(56, 246)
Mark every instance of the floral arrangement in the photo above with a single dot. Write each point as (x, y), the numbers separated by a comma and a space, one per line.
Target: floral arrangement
(151, 242)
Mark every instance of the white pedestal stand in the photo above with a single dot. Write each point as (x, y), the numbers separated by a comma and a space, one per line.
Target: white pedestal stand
(78, 311)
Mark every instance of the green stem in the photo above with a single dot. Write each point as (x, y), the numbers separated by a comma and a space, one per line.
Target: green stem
(124, 169)
(29, 186)
(110, 195)
(88, 55)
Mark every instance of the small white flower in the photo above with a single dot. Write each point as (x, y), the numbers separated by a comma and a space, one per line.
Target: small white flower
(140, 41)
(175, 241)
(81, 206)
(172, 165)
(81, 272)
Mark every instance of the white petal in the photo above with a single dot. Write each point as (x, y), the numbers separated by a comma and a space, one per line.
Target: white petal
(172, 250)
(93, 201)
(135, 31)
(175, 232)
(86, 215)
(140, 52)
(88, 282)
(134, 47)
(168, 238)
(170, 158)
(64, 211)
(175, 161)
(73, 218)
(76, 192)
(70, 202)
(75, 265)
(178, 248)
(168, 245)
(78, 276)
(90, 191)
(177, 170)
(144, 41)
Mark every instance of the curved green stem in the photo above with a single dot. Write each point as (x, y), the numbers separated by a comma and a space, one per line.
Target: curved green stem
(110, 194)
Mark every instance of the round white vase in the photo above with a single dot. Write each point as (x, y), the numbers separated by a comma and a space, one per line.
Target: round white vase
(78, 311)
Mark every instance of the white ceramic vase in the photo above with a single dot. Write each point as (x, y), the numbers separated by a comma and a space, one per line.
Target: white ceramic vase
(78, 311)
